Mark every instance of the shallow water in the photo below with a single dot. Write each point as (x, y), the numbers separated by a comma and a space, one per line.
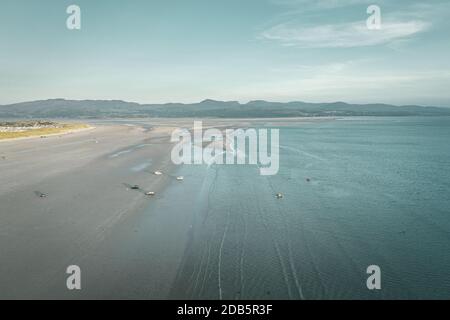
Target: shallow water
(378, 194)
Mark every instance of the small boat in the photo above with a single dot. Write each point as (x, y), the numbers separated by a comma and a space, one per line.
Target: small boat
(40, 194)
(180, 178)
(150, 193)
(157, 173)
(308, 180)
(135, 187)
(279, 196)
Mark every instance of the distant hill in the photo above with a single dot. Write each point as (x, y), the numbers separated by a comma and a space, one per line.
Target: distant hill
(82, 109)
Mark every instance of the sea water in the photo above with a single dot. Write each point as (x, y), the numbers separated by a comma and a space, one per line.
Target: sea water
(357, 192)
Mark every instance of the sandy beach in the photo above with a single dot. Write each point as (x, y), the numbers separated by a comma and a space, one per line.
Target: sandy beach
(86, 178)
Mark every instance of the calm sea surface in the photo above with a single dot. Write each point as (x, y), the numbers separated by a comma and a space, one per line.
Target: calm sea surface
(379, 194)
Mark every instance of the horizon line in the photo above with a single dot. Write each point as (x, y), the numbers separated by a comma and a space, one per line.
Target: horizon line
(226, 101)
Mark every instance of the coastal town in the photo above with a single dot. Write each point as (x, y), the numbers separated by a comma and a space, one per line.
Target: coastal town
(35, 128)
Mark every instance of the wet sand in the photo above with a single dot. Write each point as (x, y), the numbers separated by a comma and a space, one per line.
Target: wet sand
(85, 177)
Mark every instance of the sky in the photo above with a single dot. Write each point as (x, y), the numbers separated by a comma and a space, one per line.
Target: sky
(157, 51)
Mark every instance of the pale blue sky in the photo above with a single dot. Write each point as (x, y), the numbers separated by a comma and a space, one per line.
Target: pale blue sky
(154, 51)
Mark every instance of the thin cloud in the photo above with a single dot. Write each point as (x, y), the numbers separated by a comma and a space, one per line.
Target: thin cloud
(320, 4)
(347, 35)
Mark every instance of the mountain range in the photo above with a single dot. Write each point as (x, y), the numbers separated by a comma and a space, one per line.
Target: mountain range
(83, 109)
